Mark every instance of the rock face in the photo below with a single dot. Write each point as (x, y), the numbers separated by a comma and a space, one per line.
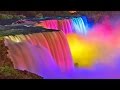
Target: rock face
(4, 60)
(7, 70)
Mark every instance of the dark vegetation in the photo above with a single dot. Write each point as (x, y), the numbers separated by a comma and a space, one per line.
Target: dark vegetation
(7, 70)
(7, 16)
(96, 15)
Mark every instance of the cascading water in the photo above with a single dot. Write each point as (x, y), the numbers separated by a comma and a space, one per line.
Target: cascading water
(95, 53)
(73, 25)
(46, 54)
(79, 26)
(50, 24)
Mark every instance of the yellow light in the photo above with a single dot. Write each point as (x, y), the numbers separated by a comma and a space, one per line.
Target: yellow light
(15, 39)
(84, 53)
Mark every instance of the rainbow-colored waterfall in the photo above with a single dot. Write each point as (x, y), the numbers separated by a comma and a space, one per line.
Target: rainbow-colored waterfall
(76, 51)
(77, 25)
(40, 53)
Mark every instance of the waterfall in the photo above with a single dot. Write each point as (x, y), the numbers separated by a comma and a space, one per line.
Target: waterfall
(73, 25)
(48, 54)
(45, 53)
(50, 24)
(79, 26)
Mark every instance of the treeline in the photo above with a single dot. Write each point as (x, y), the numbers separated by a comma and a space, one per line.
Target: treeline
(19, 14)
(8, 16)
(96, 15)
(36, 13)
(57, 13)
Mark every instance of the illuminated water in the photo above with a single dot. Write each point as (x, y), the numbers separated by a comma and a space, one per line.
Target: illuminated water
(95, 51)
(73, 25)
(44, 53)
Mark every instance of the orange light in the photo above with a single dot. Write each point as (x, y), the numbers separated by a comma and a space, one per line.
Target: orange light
(72, 11)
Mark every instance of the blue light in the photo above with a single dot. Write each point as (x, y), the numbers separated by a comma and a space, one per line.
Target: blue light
(79, 26)
(88, 22)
